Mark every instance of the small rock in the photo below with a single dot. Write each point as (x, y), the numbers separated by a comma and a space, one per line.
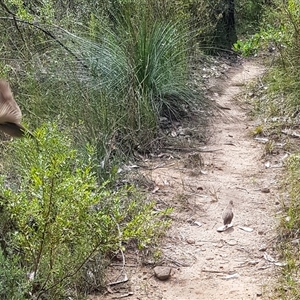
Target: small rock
(246, 228)
(210, 258)
(265, 190)
(162, 273)
(190, 241)
(236, 275)
(253, 262)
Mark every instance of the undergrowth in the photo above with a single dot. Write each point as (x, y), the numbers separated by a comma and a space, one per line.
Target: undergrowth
(289, 234)
(58, 225)
(276, 100)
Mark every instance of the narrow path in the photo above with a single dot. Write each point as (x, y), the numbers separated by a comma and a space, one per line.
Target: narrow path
(204, 257)
(207, 264)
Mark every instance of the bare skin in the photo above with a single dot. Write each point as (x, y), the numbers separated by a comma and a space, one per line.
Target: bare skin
(10, 113)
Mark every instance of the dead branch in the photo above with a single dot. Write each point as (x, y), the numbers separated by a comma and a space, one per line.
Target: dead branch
(123, 296)
(119, 281)
(292, 134)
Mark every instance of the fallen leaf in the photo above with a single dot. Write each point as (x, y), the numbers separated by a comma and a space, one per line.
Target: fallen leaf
(245, 228)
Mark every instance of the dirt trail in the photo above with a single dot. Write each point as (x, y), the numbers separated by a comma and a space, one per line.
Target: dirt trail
(201, 257)
(204, 256)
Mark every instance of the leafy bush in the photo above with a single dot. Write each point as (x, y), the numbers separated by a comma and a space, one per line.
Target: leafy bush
(281, 31)
(249, 46)
(61, 220)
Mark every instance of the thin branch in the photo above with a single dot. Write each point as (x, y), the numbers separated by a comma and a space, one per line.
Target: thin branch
(46, 32)
(75, 271)
(14, 19)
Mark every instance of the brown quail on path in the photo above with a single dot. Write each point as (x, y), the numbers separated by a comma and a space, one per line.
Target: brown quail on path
(10, 113)
(228, 214)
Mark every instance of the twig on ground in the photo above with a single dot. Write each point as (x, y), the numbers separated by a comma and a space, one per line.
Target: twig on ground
(118, 281)
(292, 134)
(123, 296)
(213, 271)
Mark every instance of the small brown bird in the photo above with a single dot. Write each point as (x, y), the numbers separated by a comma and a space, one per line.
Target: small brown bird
(228, 214)
(10, 113)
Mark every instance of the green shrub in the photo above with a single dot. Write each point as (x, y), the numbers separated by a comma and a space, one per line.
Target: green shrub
(288, 237)
(13, 280)
(281, 31)
(249, 46)
(61, 220)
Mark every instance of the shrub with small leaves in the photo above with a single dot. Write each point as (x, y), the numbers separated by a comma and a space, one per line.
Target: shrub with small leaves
(61, 219)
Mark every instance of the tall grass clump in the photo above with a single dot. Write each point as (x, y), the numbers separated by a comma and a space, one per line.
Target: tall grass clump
(60, 223)
(111, 75)
(153, 78)
(122, 82)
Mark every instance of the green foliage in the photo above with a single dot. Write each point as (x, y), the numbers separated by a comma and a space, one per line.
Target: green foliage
(281, 32)
(289, 232)
(249, 15)
(13, 281)
(256, 27)
(294, 191)
(20, 10)
(265, 38)
(248, 47)
(61, 219)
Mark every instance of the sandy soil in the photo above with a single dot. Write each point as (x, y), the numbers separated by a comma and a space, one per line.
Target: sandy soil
(206, 264)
